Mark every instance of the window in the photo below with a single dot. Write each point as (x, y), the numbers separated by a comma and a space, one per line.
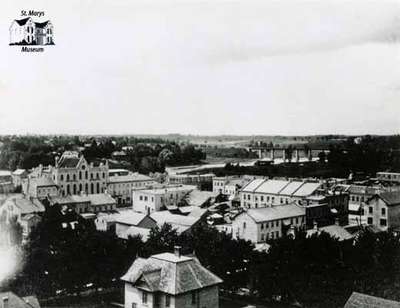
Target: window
(144, 297)
(167, 300)
(134, 305)
(262, 237)
(383, 211)
(244, 225)
(140, 198)
(193, 297)
(370, 210)
(383, 222)
(369, 220)
(145, 198)
(62, 177)
(297, 220)
(80, 175)
(262, 226)
(67, 177)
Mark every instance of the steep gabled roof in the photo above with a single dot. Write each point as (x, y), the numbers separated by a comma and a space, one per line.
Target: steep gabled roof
(41, 24)
(68, 162)
(359, 300)
(23, 21)
(171, 274)
(391, 198)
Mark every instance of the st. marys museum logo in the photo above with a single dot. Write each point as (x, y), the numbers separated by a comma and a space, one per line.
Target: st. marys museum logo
(32, 34)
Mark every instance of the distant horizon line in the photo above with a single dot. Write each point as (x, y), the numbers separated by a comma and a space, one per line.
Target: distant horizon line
(198, 135)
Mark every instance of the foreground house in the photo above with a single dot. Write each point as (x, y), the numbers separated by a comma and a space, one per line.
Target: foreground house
(359, 300)
(170, 280)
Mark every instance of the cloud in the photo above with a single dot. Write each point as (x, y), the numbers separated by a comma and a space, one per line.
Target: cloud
(210, 67)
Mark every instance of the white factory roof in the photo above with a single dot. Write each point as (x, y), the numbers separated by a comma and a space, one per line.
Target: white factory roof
(253, 185)
(275, 212)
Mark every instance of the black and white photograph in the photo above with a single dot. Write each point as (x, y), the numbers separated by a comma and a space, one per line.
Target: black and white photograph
(200, 154)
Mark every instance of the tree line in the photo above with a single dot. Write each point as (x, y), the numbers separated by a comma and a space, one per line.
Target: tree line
(142, 155)
(65, 253)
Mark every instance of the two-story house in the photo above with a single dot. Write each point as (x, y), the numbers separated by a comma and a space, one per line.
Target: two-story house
(261, 224)
(170, 280)
(383, 210)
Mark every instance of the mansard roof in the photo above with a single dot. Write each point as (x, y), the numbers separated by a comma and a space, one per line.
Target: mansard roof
(170, 274)
(68, 162)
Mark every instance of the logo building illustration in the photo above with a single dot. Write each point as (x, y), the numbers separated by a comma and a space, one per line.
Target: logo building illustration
(28, 32)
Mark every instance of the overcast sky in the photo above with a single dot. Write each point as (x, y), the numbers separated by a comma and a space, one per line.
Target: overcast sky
(205, 67)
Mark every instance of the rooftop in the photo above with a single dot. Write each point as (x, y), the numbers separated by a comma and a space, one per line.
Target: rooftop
(335, 231)
(129, 218)
(307, 189)
(168, 189)
(41, 24)
(135, 177)
(358, 300)
(19, 171)
(198, 198)
(163, 217)
(26, 206)
(15, 301)
(272, 186)
(391, 198)
(276, 212)
(251, 187)
(43, 181)
(170, 273)
(23, 21)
